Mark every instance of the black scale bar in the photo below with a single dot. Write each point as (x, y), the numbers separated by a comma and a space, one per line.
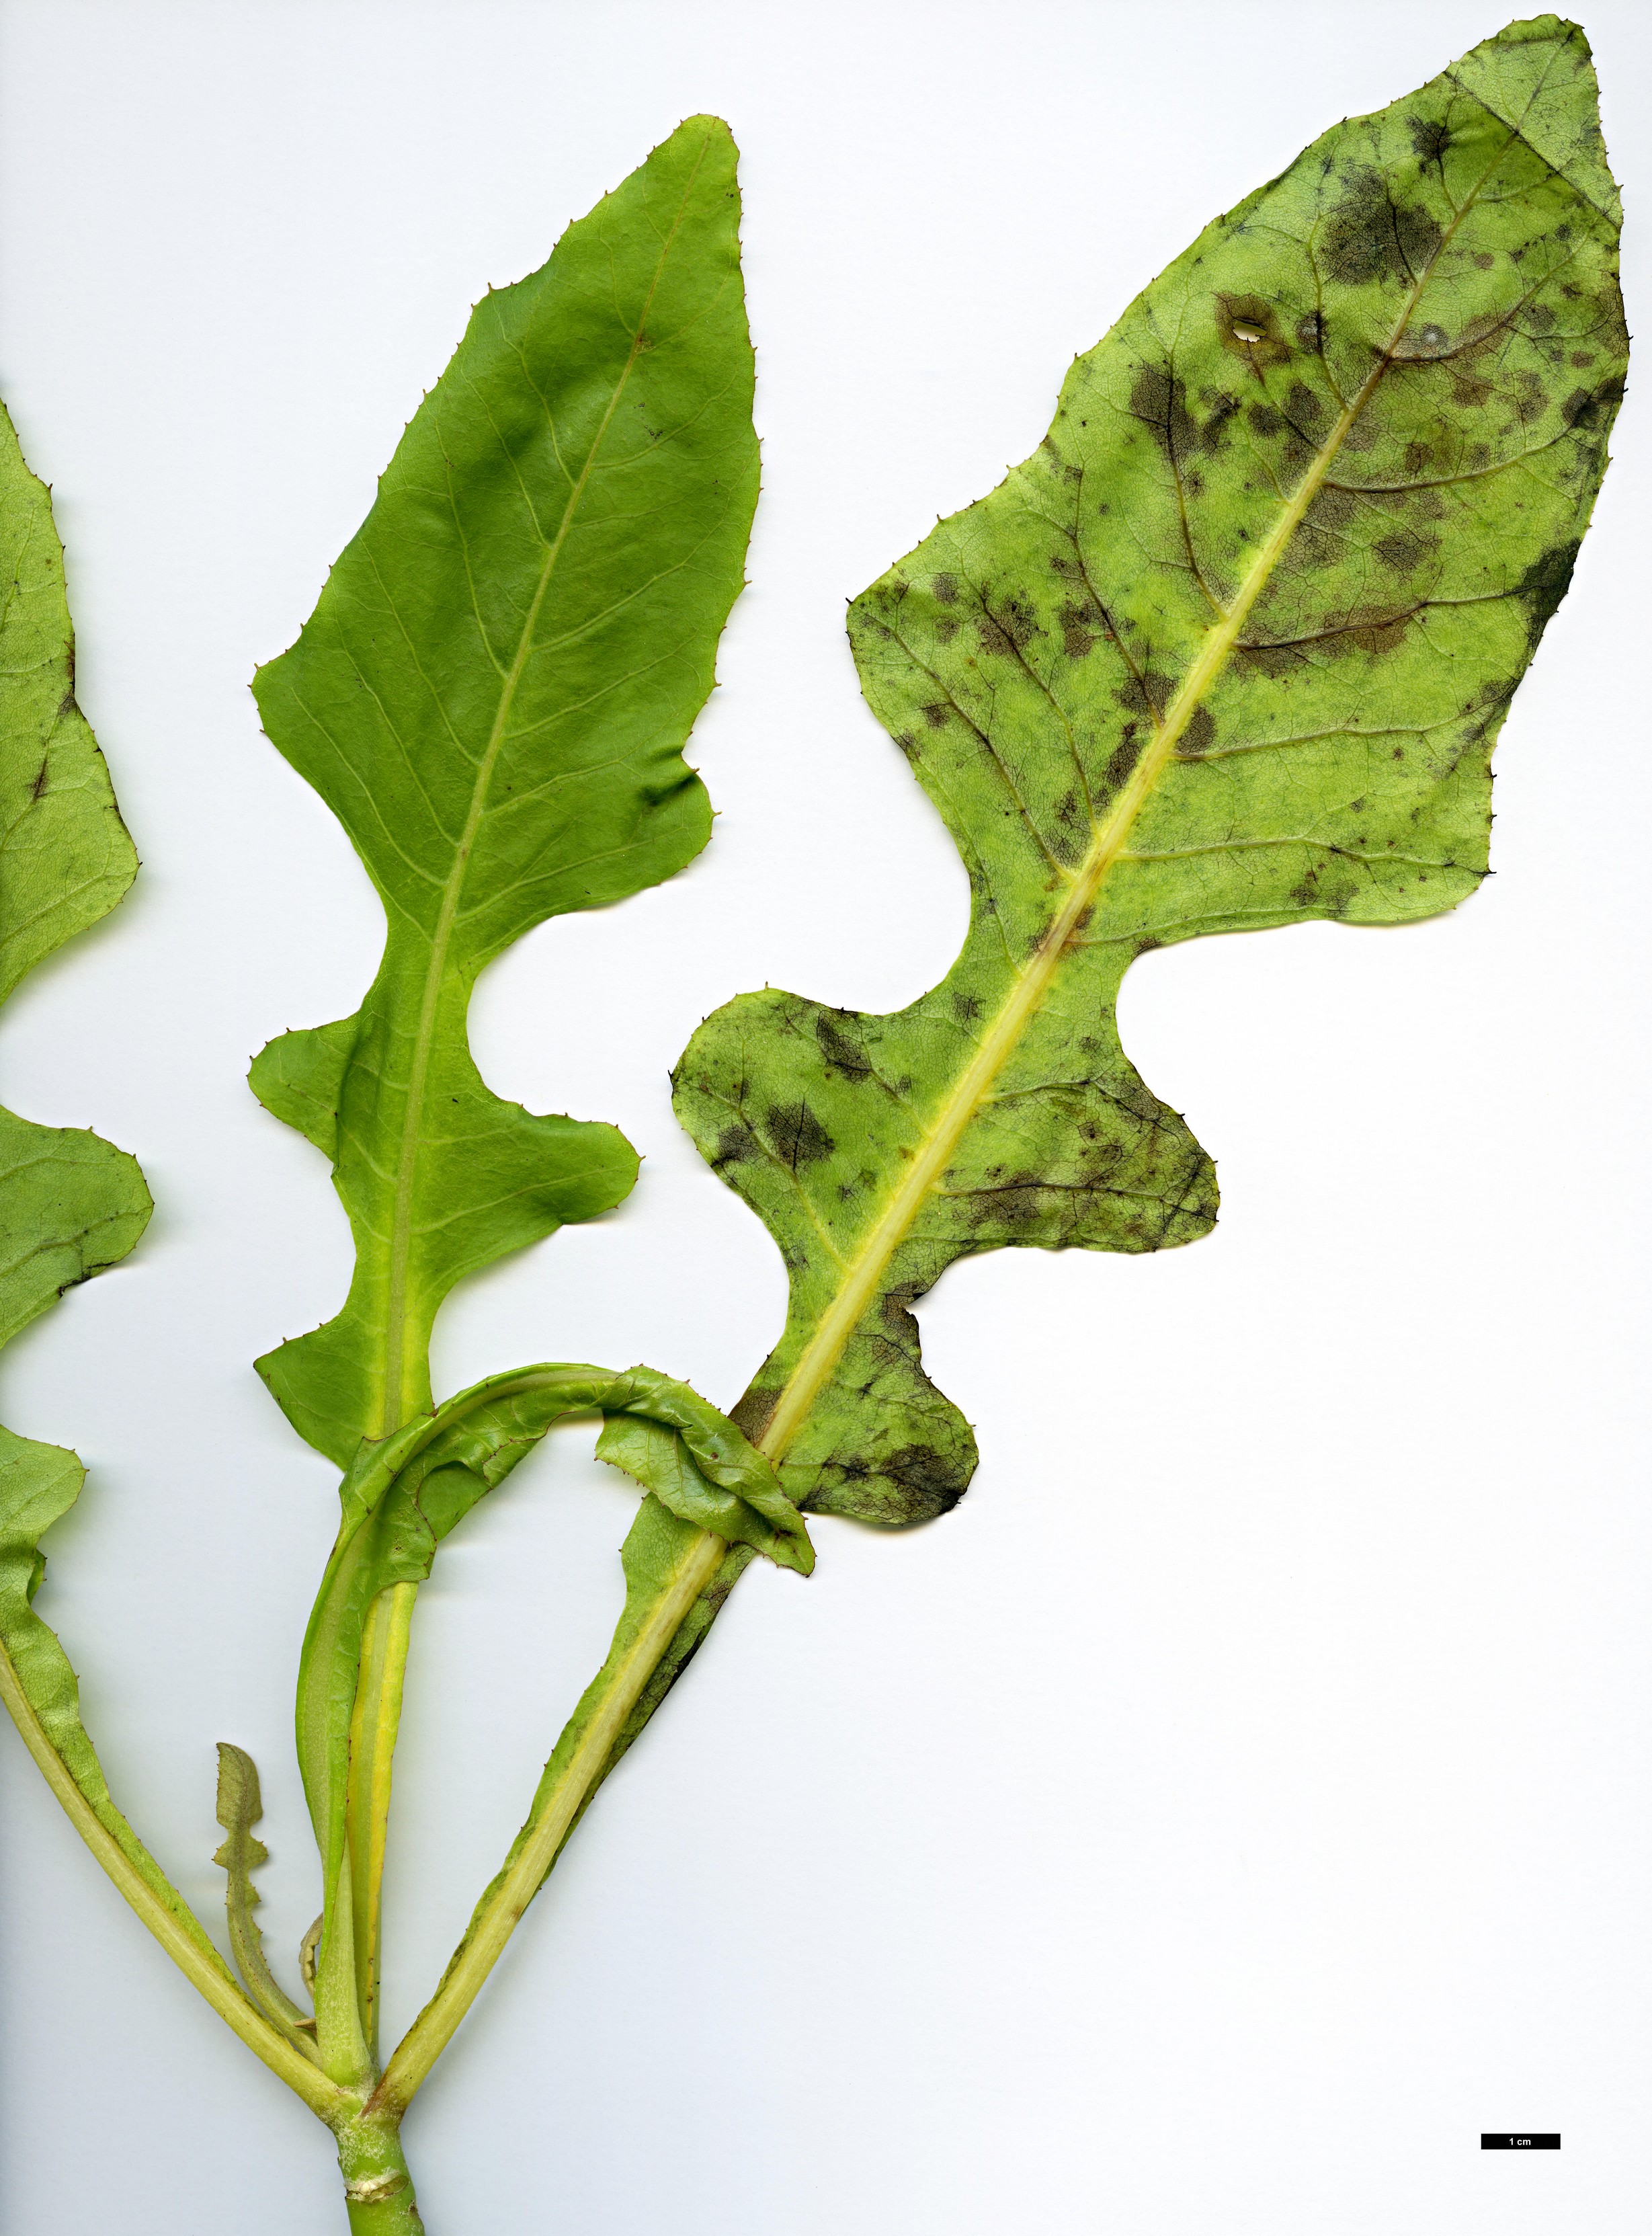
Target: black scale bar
(1519, 2142)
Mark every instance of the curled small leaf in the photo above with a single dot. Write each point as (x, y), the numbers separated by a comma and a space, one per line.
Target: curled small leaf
(401, 1497)
(760, 1514)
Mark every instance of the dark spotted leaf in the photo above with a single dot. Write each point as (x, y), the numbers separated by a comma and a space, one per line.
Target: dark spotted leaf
(1231, 650)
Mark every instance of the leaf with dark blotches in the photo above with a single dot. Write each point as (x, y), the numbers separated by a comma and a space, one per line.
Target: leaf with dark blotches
(1231, 650)
(493, 696)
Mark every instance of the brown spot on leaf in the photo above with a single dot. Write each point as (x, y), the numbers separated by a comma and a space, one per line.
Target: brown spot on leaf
(755, 1410)
(1250, 328)
(841, 1052)
(1406, 549)
(1592, 408)
(1006, 631)
(1369, 236)
(1199, 735)
(1145, 694)
(1015, 1202)
(895, 1310)
(1545, 584)
(1371, 629)
(1121, 760)
(1083, 624)
(1305, 410)
(1019, 621)
(923, 1485)
(736, 1145)
(1422, 344)
(798, 1137)
(1159, 400)
(1222, 407)
(1332, 508)
(1429, 139)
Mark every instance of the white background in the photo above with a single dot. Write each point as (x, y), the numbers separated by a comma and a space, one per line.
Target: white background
(1242, 1800)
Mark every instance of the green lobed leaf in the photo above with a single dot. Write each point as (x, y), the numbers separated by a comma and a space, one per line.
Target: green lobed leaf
(70, 1204)
(493, 695)
(1231, 650)
(65, 858)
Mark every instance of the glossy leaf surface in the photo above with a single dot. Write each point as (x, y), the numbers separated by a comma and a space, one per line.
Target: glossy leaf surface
(493, 696)
(1231, 650)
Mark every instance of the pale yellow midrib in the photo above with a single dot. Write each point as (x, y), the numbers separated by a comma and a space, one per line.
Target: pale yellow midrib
(825, 1347)
(396, 1400)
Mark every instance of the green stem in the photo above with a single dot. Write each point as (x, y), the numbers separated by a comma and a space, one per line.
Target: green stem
(502, 1909)
(340, 2041)
(207, 1973)
(379, 2189)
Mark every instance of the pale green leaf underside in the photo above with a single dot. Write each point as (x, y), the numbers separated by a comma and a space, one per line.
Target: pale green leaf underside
(1231, 650)
(70, 1204)
(493, 695)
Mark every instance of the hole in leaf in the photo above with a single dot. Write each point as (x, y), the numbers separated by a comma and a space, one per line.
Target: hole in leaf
(1247, 330)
